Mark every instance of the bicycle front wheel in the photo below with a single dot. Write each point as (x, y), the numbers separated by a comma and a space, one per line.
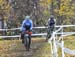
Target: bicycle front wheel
(26, 42)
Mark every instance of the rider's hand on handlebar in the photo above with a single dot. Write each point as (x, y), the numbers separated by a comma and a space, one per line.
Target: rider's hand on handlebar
(28, 32)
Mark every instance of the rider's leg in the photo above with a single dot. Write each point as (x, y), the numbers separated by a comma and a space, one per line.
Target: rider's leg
(52, 29)
(22, 37)
(47, 37)
(29, 40)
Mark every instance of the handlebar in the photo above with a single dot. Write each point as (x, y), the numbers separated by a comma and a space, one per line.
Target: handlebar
(28, 32)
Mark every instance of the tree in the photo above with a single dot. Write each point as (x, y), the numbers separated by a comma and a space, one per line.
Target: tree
(4, 11)
(65, 11)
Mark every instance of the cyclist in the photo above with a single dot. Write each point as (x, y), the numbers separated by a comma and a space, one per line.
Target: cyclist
(27, 25)
(51, 23)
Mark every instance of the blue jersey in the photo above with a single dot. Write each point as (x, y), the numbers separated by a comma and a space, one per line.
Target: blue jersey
(26, 22)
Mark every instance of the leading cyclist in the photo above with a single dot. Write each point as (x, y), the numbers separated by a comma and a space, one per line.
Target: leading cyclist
(27, 25)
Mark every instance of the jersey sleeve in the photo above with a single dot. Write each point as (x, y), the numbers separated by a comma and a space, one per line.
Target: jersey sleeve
(31, 25)
(22, 28)
(48, 22)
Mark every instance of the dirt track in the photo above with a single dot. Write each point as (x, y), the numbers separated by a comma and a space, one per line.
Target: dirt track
(16, 48)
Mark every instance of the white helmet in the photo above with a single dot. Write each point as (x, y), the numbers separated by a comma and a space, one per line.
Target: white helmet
(27, 17)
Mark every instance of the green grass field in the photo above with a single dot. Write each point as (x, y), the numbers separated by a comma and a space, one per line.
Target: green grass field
(39, 48)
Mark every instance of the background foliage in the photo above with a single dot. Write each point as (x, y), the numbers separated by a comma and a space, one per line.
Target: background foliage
(13, 12)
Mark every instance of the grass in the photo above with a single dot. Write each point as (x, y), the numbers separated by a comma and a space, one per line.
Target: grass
(6, 47)
(45, 49)
(70, 43)
(39, 48)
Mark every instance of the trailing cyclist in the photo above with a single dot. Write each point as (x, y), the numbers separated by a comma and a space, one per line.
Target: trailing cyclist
(51, 24)
(27, 25)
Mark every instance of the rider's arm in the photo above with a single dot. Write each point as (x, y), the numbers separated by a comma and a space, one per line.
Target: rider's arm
(31, 25)
(48, 22)
(22, 28)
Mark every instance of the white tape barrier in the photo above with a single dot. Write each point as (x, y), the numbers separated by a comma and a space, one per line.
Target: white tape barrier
(54, 34)
(54, 50)
(65, 26)
(1, 37)
(65, 34)
(42, 27)
(20, 27)
(40, 34)
(66, 50)
(9, 29)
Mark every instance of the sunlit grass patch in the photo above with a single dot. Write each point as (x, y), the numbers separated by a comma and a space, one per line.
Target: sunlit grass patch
(69, 42)
(43, 51)
(37, 39)
(69, 37)
(6, 46)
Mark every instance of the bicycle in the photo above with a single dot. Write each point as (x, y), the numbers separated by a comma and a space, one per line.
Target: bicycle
(27, 40)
